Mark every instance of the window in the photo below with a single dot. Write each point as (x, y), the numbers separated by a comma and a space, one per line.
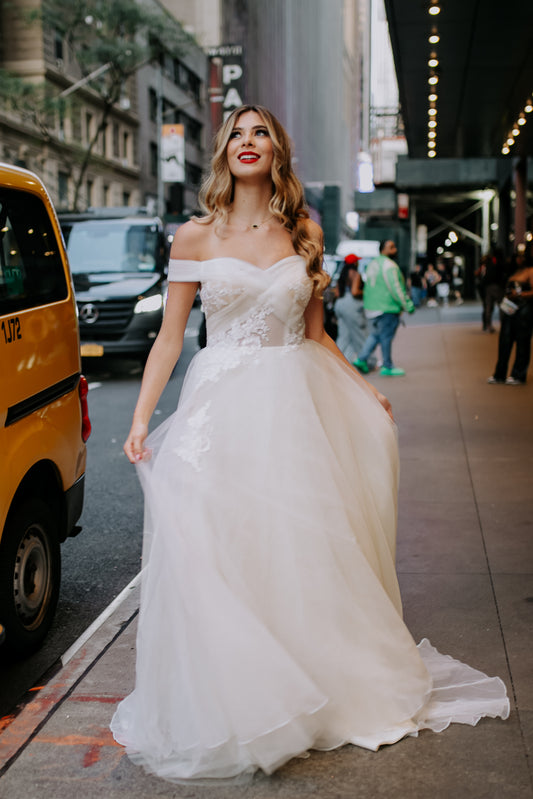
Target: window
(152, 105)
(116, 141)
(193, 174)
(90, 190)
(58, 45)
(126, 196)
(88, 126)
(31, 270)
(126, 146)
(153, 159)
(62, 189)
(105, 191)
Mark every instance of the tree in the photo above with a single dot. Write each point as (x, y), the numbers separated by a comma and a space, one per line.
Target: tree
(117, 36)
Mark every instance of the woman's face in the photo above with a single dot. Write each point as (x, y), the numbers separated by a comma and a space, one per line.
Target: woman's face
(250, 152)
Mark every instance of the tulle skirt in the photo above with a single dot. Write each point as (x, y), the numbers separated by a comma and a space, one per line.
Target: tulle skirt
(270, 619)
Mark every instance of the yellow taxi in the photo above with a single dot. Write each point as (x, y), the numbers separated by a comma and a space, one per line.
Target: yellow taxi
(44, 422)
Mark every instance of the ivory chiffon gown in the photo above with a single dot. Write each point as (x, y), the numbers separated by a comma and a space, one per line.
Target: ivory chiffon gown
(270, 619)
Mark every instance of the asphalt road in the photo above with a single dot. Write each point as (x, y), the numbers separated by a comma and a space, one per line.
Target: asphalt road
(106, 555)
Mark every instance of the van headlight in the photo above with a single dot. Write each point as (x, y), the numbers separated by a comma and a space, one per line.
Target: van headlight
(149, 304)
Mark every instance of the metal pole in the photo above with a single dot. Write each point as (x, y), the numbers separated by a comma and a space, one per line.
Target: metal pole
(159, 123)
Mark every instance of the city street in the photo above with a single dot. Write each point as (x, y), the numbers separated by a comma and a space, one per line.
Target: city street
(103, 559)
(465, 567)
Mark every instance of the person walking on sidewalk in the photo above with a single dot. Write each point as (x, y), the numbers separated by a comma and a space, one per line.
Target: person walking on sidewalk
(385, 297)
(349, 310)
(516, 325)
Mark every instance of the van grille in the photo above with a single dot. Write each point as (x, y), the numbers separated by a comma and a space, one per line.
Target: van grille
(111, 315)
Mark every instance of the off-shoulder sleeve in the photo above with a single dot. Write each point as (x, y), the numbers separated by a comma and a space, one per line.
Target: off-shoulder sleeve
(184, 271)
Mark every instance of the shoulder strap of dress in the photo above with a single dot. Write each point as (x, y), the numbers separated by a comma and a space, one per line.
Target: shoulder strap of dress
(182, 271)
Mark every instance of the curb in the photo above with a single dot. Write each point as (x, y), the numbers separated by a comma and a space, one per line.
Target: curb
(75, 663)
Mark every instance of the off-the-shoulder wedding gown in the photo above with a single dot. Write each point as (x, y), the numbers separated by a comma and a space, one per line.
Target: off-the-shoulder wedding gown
(270, 619)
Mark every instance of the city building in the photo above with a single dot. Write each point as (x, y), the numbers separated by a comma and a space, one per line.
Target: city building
(52, 138)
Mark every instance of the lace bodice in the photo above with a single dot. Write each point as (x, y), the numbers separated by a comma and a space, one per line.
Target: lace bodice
(249, 307)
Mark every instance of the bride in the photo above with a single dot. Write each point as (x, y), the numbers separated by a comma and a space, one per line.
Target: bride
(270, 620)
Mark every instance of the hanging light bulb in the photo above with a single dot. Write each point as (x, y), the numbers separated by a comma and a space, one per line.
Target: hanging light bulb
(516, 130)
(433, 60)
(521, 120)
(432, 154)
(528, 108)
(434, 9)
(433, 97)
(433, 80)
(434, 37)
(505, 149)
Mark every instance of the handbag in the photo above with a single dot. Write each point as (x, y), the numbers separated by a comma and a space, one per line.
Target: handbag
(508, 306)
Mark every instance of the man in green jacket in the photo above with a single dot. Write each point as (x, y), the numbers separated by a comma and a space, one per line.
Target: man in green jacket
(384, 299)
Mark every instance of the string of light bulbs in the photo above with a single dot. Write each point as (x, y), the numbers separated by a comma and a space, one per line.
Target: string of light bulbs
(433, 80)
(515, 130)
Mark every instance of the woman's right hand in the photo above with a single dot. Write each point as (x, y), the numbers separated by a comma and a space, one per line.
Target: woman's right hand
(134, 444)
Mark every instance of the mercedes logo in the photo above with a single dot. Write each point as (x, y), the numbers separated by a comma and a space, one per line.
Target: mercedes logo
(89, 313)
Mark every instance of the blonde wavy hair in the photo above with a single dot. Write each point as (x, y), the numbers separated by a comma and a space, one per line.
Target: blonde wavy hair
(287, 203)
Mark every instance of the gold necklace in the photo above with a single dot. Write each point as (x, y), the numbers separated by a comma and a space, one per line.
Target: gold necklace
(258, 225)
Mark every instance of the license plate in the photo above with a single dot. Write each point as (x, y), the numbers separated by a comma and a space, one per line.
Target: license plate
(91, 350)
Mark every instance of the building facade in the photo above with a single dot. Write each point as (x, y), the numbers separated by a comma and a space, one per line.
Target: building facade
(123, 167)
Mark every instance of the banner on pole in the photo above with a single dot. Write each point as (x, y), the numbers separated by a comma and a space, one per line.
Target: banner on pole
(172, 154)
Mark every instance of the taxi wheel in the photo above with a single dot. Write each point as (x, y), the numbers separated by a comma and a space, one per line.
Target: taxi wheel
(30, 574)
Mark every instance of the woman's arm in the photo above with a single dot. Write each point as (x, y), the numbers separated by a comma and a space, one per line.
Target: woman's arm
(161, 361)
(168, 345)
(357, 285)
(314, 329)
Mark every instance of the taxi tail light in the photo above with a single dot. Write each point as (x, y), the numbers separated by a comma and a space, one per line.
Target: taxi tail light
(83, 388)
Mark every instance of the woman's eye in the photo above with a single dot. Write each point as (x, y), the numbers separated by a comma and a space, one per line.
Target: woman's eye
(234, 134)
(262, 132)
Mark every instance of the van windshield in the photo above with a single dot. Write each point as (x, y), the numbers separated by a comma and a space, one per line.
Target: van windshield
(111, 246)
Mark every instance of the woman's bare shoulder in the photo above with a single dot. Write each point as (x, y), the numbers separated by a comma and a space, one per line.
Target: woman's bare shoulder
(189, 241)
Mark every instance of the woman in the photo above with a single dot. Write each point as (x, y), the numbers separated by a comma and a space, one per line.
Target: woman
(432, 278)
(349, 311)
(270, 619)
(516, 326)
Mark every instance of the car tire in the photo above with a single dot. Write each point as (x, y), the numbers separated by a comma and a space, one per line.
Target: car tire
(30, 575)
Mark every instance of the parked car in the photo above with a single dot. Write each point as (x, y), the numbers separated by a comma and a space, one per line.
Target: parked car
(118, 259)
(44, 422)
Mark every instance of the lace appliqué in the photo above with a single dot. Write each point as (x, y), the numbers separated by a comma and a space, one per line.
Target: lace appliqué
(196, 439)
(215, 296)
(250, 332)
(301, 291)
(231, 348)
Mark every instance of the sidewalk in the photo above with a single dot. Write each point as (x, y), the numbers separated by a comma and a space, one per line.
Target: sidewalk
(465, 562)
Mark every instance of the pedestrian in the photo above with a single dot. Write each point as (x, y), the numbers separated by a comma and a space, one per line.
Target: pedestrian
(349, 310)
(492, 274)
(270, 619)
(516, 325)
(432, 278)
(443, 286)
(385, 297)
(417, 286)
